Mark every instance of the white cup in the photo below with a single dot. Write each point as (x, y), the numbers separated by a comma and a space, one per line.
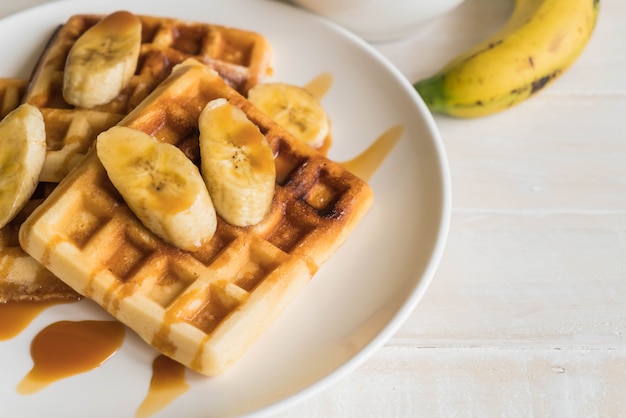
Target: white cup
(379, 20)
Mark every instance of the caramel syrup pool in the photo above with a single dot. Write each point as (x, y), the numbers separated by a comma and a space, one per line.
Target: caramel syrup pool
(16, 316)
(66, 348)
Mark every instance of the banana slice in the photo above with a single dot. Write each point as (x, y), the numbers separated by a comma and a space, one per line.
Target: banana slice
(22, 153)
(102, 60)
(237, 164)
(160, 185)
(295, 109)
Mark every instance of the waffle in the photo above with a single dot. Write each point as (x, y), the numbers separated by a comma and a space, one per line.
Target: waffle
(241, 57)
(11, 92)
(22, 278)
(203, 309)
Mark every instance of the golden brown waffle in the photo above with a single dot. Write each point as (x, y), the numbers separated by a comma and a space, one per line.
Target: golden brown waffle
(11, 92)
(22, 278)
(241, 57)
(203, 309)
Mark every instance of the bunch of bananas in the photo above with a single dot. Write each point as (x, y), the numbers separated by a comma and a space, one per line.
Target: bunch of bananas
(541, 39)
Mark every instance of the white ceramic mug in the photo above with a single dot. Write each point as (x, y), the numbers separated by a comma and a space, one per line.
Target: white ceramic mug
(379, 20)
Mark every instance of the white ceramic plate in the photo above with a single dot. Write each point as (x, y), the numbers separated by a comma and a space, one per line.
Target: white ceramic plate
(356, 301)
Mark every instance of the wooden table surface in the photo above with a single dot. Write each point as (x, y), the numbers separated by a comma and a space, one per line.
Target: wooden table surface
(526, 315)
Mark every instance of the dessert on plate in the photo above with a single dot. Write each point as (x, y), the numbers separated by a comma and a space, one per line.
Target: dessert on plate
(165, 194)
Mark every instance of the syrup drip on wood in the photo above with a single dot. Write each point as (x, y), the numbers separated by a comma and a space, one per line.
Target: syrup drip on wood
(67, 348)
(16, 316)
(168, 383)
(365, 164)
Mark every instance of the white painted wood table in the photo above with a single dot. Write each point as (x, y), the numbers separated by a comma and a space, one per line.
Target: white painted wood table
(526, 316)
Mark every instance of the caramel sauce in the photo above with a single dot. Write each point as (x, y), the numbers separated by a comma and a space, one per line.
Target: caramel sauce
(168, 383)
(66, 348)
(365, 164)
(18, 315)
(320, 85)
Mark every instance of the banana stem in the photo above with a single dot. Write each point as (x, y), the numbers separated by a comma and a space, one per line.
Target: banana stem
(432, 92)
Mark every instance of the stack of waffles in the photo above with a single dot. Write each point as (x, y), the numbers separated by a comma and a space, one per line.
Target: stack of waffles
(202, 308)
(241, 57)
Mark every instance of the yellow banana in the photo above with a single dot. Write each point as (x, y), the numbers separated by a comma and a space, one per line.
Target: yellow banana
(102, 60)
(237, 164)
(540, 41)
(162, 187)
(296, 109)
(22, 153)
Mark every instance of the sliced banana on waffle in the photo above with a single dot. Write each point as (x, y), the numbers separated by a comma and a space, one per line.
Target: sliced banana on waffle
(160, 185)
(237, 164)
(295, 109)
(22, 154)
(102, 60)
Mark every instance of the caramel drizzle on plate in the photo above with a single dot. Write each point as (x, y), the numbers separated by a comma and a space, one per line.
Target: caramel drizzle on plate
(67, 348)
